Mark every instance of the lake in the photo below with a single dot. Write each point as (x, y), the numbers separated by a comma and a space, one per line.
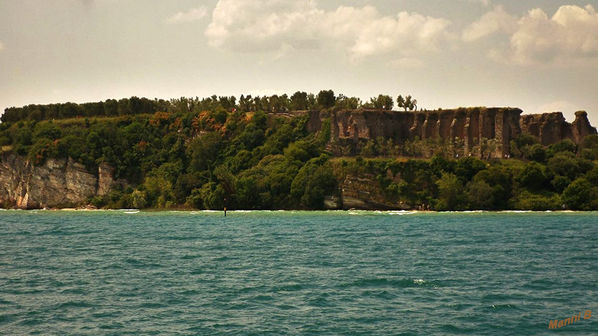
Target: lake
(297, 273)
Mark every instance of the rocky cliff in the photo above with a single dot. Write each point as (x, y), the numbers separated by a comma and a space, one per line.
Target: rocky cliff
(471, 128)
(551, 127)
(56, 183)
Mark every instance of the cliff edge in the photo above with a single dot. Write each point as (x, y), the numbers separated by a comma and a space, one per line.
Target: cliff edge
(477, 131)
(56, 183)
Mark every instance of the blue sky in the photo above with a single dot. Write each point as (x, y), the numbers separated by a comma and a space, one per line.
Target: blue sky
(537, 55)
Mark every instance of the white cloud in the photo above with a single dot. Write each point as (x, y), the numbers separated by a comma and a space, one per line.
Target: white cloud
(406, 34)
(407, 62)
(192, 14)
(279, 25)
(484, 3)
(494, 21)
(570, 36)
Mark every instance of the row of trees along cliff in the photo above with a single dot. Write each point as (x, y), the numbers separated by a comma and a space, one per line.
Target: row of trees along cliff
(135, 105)
(195, 153)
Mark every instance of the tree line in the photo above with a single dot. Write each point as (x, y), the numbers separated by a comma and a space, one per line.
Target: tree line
(247, 103)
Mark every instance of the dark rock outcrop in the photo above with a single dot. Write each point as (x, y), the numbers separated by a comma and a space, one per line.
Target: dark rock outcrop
(56, 183)
(363, 192)
(482, 131)
(551, 128)
(581, 126)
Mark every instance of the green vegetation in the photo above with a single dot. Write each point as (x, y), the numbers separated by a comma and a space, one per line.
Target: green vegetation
(565, 181)
(217, 151)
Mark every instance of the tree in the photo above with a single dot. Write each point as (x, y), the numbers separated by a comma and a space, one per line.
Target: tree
(450, 192)
(480, 195)
(581, 195)
(532, 177)
(349, 103)
(326, 98)
(299, 101)
(204, 151)
(536, 153)
(562, 146)
(382, 102)
(400, 101)
(407, 103)
(565, 164)
(313, 182)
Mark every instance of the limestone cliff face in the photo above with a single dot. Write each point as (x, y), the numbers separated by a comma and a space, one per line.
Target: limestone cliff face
(551, 127)
(581, 126)
(471, 126)
(364, 192)
(481, 131)
(56, 183)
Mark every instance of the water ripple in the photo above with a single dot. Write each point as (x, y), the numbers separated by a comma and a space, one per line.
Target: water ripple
(295, 273)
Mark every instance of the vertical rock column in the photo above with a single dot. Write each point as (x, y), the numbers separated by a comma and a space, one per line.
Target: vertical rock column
(499, 123)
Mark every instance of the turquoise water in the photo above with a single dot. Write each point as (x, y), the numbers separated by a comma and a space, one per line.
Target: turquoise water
(279, 273)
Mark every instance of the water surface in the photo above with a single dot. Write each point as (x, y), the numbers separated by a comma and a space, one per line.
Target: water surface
(278, 273)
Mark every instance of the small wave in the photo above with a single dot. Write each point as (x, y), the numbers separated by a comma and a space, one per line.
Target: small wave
(454, 329)
(401, 283)
(288, 288)
(515, 211)
(401, 212)
(74, 304)
(507, 306)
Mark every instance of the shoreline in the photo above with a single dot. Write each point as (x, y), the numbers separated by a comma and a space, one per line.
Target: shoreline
(381, 211)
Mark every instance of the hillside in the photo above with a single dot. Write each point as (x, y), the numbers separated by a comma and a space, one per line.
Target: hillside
(305, 152)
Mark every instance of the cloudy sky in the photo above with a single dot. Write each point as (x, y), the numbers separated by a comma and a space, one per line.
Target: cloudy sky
(540, 55)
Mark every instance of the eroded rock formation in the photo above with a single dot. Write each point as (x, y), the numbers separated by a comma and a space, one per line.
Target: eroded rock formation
(56, 183)
(480, 131)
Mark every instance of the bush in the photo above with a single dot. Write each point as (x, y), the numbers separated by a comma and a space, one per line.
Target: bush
(450, 192)
(531, 201)
(532, 177)
(480, 195)
(581, 195)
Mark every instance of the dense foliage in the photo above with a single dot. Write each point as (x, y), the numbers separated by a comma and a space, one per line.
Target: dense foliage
(563, 176)
(189, 156)
(220, 151)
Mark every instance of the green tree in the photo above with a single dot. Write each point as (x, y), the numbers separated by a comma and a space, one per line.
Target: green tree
(581, 195)
(313, 182)
(450, 192)
(480, 195)
(562, 146)
(299, 101)
(565, 164)
(536, 152)
(326, 98)
(533, 177)
(382, 102)
(401, 102)
(204, 151)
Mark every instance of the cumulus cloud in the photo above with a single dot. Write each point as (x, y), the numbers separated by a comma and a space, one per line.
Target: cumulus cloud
(192, 14)
(484, 3)
(278, 25)
(494, 21)
(570, 36)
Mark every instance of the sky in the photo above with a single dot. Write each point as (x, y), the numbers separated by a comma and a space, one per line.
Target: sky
(539, 55)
